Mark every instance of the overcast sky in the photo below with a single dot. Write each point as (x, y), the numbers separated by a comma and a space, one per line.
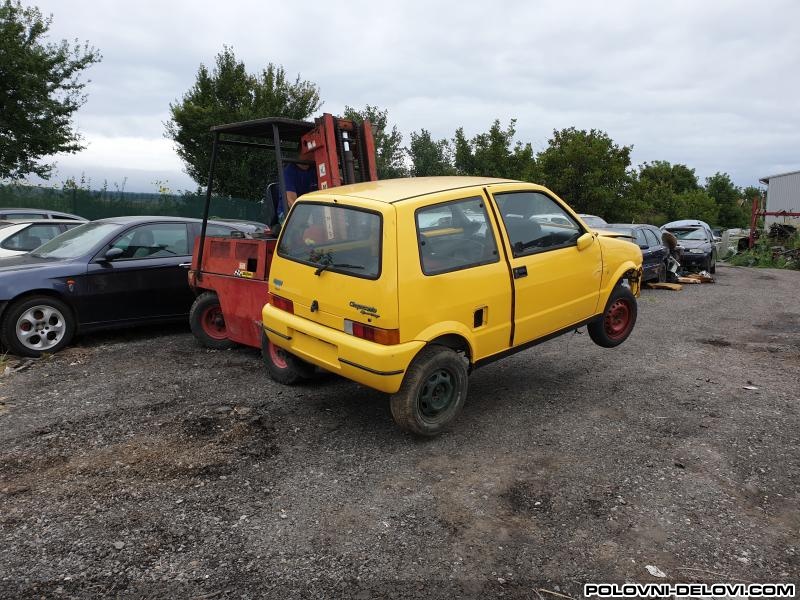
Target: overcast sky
(711, 84)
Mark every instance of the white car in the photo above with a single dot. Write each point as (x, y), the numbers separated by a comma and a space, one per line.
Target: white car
(19, 237)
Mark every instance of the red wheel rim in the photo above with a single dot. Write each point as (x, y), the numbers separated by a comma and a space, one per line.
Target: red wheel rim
(618, 319)
(277, 356)
(213, 323)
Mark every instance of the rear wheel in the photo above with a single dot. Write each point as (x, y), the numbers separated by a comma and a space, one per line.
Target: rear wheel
(283, 366)
(617, 321)
(208, 322)
(36, 325)
(433, 392)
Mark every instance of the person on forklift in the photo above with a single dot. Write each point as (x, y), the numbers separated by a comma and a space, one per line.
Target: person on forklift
(299, 179)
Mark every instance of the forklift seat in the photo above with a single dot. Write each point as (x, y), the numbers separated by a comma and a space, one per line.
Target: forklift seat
(271, 204)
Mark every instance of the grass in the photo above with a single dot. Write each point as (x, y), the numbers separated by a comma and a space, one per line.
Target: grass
(762, 255)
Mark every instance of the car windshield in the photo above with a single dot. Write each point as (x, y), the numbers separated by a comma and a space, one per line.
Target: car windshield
(593, 221)
(75, 242)
(333, 238)
(689, 234)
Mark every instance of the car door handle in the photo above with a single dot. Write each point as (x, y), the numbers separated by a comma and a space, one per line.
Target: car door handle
(520, 272)
(185, 265)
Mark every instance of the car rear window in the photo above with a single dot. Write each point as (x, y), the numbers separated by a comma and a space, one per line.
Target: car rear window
(342, 239)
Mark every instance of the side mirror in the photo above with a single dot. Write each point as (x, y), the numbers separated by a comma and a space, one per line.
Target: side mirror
(113, 253)
(586, 240)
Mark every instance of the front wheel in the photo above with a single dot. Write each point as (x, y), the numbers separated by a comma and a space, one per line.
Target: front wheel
(617, 321)
(33, 326)
(208, 322)
(282, 366)
(432, 393)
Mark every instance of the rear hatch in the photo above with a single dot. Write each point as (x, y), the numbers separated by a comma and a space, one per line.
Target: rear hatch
(336, 260)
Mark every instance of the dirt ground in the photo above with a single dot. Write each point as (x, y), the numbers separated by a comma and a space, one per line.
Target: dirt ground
(139, 465)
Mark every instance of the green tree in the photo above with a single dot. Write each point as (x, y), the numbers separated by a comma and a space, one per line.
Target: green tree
(429, 156)
(229, 94)
(733, 211)
(588, 170)
(40, 89)
(696, 204)
(494, 154)
(389, 154)
(679, 178)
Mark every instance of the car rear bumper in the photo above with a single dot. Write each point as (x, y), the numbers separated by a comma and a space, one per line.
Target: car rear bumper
(374, 365)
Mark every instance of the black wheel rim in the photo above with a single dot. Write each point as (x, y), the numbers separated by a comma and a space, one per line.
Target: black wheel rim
(437, 394)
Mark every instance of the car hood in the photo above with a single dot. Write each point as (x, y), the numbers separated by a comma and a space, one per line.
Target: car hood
(612, 234)
(26, 262)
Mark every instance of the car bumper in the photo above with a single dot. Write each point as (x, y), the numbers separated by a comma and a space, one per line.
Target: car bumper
(694, 260)
(374, 365)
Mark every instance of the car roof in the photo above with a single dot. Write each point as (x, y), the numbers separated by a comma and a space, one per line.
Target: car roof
(143, 219)
(44, 222)
(394, 190)
(631, 225)
(43, 211)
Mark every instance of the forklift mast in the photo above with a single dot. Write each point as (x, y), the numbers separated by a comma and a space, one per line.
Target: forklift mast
(343, 152)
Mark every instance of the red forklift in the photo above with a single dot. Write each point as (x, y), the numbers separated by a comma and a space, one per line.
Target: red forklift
(230, 275)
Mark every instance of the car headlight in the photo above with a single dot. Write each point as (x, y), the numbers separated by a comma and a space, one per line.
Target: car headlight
(696, 251)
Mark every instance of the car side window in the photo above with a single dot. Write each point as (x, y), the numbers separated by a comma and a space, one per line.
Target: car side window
(641, 240)
(158, 240)
(31, 237)
(652, 239)
(455, 235)
(536, 223)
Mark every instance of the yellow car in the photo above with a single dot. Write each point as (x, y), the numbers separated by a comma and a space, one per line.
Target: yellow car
(407, 285)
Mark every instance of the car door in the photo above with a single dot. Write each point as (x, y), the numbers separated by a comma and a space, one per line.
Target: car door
(555, 284)
(657, 251)
(147, 280)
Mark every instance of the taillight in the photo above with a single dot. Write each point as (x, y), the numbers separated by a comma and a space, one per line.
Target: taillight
(281, 303)
(387, 337)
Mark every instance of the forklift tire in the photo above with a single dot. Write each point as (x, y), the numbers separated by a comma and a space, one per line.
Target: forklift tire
(282, 366)
(616, 323)
(208, 323)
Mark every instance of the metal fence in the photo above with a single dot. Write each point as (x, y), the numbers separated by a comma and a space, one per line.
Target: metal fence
(98, 204)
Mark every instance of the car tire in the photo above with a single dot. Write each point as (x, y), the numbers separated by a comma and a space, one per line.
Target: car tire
(208, 323)
(433, 392)
(617, 320)
(282, 366)
(713, 267)
(36, 325)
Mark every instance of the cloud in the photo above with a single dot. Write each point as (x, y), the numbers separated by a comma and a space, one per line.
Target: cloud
(709, 84)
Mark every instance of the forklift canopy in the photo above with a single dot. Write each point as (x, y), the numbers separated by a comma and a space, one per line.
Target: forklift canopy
(290, 129)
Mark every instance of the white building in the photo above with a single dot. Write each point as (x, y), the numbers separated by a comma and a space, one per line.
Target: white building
(783, 194)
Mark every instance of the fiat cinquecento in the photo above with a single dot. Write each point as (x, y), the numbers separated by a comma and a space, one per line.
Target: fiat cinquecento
(408, 285)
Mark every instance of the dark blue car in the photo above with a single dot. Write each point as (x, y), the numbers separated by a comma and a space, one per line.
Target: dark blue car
(107, 273)
(654, 251)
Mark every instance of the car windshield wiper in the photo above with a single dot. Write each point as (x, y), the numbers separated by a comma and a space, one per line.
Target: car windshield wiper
(328, 265)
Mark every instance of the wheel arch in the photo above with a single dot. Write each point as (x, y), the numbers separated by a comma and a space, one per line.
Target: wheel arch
(40, 292)
(454, 341)
(627, 270)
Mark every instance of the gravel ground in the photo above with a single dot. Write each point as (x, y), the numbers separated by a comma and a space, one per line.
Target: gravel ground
(139, 465)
